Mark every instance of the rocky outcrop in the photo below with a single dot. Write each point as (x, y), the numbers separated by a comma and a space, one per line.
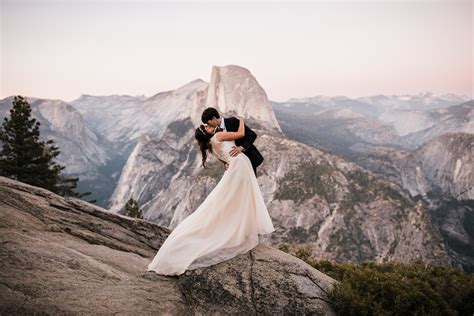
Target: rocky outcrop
(265, 281)
(66, 256)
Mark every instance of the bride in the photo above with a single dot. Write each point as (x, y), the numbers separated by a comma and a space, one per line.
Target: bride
(229, 220)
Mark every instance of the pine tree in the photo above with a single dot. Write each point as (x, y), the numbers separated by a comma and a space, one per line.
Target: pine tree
(132, 210)
(25, 158)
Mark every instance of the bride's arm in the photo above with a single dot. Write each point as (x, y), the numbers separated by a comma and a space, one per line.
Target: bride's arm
(221, 136)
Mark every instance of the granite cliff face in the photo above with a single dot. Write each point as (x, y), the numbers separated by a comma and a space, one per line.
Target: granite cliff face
(424, 144)
(444, 164)
(342, 211)
(337, 208)
(440, 173)
(123, 119)
(235, 91)
(66, 256)
(162, 161)
(125, 122)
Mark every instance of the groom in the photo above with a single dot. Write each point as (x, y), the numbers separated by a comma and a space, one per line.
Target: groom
(211, 117)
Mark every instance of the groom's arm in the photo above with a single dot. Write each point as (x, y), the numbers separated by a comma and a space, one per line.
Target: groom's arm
(249, 137)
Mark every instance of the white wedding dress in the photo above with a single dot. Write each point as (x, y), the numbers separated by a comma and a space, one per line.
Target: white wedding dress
(225, 225)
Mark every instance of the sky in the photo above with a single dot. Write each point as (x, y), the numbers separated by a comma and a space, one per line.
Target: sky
(62, 49)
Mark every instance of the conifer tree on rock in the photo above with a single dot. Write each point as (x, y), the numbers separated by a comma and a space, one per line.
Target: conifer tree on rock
(24, 157)
(132, 209)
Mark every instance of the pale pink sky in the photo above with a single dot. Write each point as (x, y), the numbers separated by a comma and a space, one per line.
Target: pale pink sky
(61, 49)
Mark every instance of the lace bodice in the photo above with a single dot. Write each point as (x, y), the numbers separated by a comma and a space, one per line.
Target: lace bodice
(221, 149)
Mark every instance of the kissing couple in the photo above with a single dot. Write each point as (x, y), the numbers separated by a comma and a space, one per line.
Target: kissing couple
(228, 222)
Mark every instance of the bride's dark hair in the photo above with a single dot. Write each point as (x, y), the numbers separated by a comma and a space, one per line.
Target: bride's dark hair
(203, 139)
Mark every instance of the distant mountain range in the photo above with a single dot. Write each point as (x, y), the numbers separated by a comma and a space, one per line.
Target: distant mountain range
(393, 133)
(345, 176)
(426, 149)
(377, 104)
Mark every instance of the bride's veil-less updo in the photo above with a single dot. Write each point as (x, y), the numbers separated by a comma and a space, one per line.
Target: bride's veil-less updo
(203, 139)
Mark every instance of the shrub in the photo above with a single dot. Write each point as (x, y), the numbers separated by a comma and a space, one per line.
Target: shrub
(397, 288)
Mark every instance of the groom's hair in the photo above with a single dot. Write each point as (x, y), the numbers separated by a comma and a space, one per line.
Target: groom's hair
(208, 114)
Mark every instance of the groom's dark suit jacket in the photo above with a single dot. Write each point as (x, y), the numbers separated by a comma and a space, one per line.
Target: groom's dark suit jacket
(232, 125)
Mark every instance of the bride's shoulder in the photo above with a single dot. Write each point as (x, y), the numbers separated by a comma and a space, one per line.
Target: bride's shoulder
(215, 138)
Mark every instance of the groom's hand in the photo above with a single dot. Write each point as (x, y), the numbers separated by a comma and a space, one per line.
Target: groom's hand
(236, 150)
